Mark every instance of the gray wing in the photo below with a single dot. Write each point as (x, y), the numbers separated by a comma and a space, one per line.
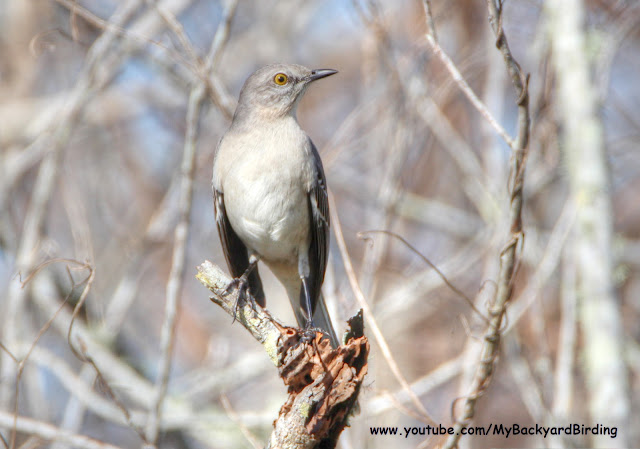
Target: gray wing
(235, 252)
(318, 201)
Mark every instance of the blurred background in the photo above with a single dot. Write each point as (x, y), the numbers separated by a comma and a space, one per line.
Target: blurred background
(107, 140)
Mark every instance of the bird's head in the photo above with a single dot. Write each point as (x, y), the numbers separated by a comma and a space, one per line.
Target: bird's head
(274, 90)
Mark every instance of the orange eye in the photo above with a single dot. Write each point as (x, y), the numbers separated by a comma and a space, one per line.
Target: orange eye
(280, 79)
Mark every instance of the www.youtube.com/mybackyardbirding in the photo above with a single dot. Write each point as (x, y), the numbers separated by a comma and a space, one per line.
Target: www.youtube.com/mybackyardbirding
(270, 193)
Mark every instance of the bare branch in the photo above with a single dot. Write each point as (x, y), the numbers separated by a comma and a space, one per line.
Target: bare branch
(508, 256)
(251, 438)
(466, 89)
(51, 433)
(176, 275)
(323, 383)
(44, 187)
(583, 144)
(371, 321)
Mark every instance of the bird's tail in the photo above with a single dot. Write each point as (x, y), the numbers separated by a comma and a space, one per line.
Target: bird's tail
(322, 320)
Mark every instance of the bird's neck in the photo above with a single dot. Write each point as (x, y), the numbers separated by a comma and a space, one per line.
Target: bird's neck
(255, 117)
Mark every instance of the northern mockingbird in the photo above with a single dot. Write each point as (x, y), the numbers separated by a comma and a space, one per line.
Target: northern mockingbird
(270, 193)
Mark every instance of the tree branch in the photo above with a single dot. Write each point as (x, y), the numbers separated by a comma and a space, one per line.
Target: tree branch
(323, 383)
(508, 255)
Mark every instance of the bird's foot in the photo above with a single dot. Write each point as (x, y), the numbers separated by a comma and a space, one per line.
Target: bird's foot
(309, 333)
(242, 284)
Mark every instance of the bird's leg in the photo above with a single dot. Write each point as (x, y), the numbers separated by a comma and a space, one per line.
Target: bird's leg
(309, 329)
(242, 283)
(308, 309)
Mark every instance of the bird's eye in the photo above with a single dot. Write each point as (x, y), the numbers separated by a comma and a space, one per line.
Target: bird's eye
(280, 79)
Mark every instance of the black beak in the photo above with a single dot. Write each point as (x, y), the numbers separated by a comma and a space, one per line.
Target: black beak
(320, 73)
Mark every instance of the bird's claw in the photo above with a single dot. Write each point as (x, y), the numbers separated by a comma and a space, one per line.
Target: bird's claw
(309, 333)
(242, 285)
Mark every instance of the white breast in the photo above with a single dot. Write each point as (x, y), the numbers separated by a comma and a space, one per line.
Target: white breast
(265, 190)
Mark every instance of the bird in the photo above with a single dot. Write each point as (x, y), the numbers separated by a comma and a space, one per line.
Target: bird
(270, 194)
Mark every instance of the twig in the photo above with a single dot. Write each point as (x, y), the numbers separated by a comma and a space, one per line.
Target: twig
(438, 376)
(455, 289)
(462, 83)
(44, 187)
(205, 382)
(527, 384)
(394, 151)
(251, 438)
(546, 264)
(444, 217)
(105, 25)
(259, 323)
(424, 281)
(114, 316)
(221, 37)
(431, 27)
(474, 180)
(323, 383)
(21, 362)
(174, 285)
(466, 89)
(371, 321)
(187, 71)
(77, 345)
(413, 93)
(174, 25)
(180, 412)
(626, 24)
(51, 433)
(158, 228)
(508, 256)
(79, 389)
